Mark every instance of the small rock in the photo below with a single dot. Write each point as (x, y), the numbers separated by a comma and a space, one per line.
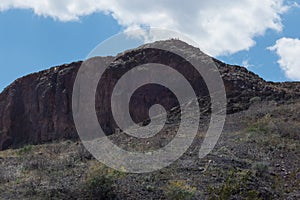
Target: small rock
(149, 188)
(281, 156)
(201, 169)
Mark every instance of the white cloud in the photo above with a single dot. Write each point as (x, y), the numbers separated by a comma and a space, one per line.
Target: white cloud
(246, 64)
(288, 50)
(220, 27)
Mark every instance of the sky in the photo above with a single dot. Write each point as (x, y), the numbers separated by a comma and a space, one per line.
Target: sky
(262, 35)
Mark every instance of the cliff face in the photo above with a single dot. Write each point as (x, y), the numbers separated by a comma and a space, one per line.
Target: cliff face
(37, 108)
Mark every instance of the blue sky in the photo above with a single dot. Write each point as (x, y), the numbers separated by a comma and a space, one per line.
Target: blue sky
(30, 43)
(35, 36)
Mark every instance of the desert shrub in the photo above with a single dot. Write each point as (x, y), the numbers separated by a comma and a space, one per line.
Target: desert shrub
(83, 154)
(257, 127)
(31, 188)
(100, 182)
(24, 150)
(261, 169)
(235, 184)
(261, 125)
(179, 189)
(101, 186)
(255, 100)
(288, 130)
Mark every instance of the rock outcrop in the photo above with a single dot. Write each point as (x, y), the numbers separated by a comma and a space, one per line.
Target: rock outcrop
(38, 108)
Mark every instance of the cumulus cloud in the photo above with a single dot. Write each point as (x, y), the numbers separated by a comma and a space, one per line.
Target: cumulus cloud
(219, 27)
(288, 51)
(246, 64)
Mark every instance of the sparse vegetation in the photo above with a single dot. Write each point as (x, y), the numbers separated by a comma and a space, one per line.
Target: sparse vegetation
(24, 150)
(255, 100)
(259, 126)
(261, 169)
(236, 184)
(100, 186)
(100, 182)
(257, 161)
(179, 190)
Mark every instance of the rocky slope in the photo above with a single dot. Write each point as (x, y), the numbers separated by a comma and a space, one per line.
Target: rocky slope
(37, 108)
(257, 157)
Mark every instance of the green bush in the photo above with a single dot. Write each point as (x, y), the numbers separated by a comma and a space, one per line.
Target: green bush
(24, 150)
(235, 185)
(261, 125)
(179, 189)
(100, 182)
(261, 169)
(101, 186)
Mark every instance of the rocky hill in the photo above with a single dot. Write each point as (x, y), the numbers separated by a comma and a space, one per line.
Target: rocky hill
(256, 157)
(37, 108)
